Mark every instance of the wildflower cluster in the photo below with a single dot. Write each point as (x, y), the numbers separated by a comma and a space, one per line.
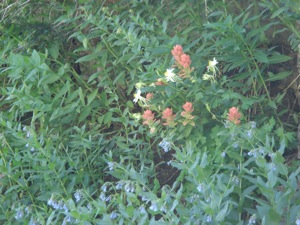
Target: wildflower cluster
(182, 61)
(169, 117)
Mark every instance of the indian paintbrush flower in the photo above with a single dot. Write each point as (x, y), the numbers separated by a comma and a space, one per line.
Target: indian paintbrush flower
(234, 115)
(169, 117)
(188, 109)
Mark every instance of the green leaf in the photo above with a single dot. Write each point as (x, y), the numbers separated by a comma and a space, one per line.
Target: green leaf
(204, 161)
(107, 118)
(35, 58)
(279, 59)
(260, 56)
(278, 12)
(81, 96)
(92, 96)
(221, 215)
(86, 58)
(278, 76)
(85, 43)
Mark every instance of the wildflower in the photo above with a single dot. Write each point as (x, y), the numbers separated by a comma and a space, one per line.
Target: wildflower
(234, 115)
(32, 149)
(110, 166)
(102, 197)
(169, 117)
(208, 219)
(27, 145)
(142, 210)
(185, 61)
(153, 207)
(252, 124)
(252, 219)
(113, 215)
(104, 188)
(108, 199)
(171, 76)
(177, 52)
(149, 96)
(138, 97)
(165, 145)
(223, 154)
(200, 188)
(19, 214)
(249, 134)
(144, 199)
(119, 185)
(212, 63)
(297, 222)
(188, 109)
(148, 116)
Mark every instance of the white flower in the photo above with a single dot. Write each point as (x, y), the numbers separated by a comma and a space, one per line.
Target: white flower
(298, 222)
(212, 66)
(138, 97)
(171, 76)
(213, 63)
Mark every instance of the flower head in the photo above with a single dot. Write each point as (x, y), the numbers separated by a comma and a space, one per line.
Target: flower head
(169, 117)
(171, 76)
(177, 52)
(185, 61)
(234, 115)
(138, 97)
(212, 66)
(188, 109)
(149, 96)
(148, 116)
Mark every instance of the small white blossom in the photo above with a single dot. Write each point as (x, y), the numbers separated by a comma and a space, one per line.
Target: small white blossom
(171, 76)
(213, 63)
(138, 97)
(297, 222)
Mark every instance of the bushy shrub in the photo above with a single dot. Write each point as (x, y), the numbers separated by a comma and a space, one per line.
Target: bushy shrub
(139, 112)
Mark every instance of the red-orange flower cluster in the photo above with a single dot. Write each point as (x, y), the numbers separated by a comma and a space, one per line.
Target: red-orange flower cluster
(234, 115)
(149, 96)
(188, 109)
(180, 57)
(169, 117)
(148, 117)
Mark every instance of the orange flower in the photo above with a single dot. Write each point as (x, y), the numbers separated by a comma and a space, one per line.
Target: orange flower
(177, 52)
(148, 116)
(185, 61)
(149, 96)
(169, 117)
(234, 115)
(188, 107)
